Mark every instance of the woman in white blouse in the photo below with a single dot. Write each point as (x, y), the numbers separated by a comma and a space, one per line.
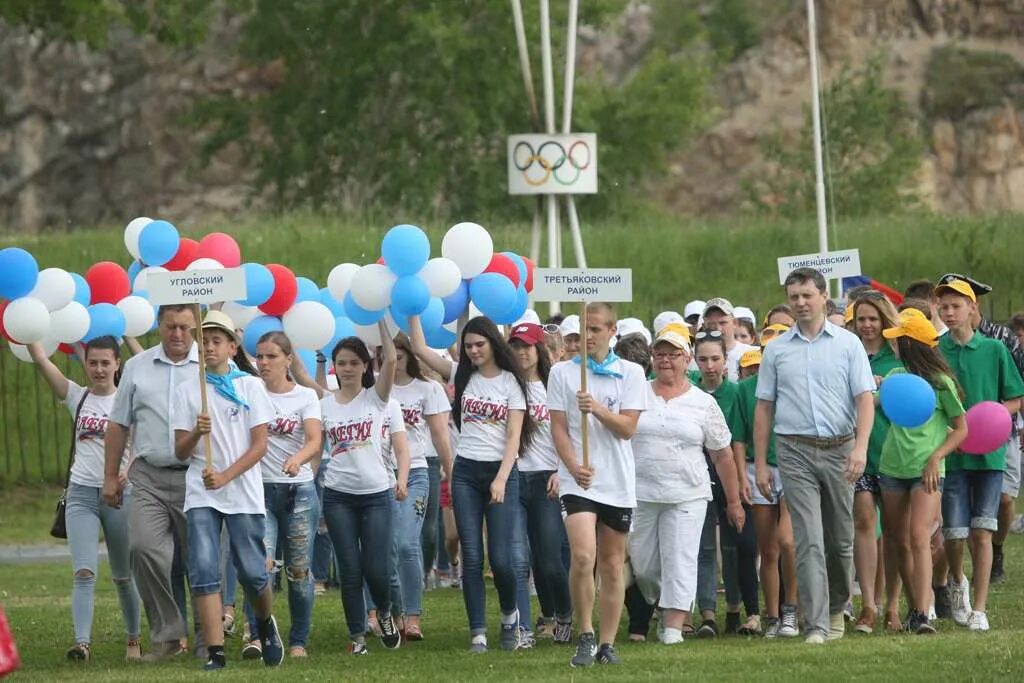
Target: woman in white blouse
(673, 486)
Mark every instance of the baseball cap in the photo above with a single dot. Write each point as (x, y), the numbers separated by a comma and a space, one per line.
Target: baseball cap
(530, 333)
(961, 287)
(529, 316)
(720, 304)
(694, 308)
(665, 318)
(848, 315)
(913, 324)
(774, 332)
(681, 328)
(570, 325)
(745, 313)
(674, 336)
(219, 320)
(980, 288)
(750, 358)
(628, 326)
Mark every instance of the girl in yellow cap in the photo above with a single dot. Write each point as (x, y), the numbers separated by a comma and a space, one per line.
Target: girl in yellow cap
(911, 467)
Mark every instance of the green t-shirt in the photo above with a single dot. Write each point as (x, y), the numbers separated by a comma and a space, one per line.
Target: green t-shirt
(882, 363)
(726, 395)
(743, 428)
(907, 449)
(986, 372)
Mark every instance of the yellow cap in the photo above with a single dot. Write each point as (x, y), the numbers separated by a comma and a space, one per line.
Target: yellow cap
(848, 315)
(750, 358)
(681, 328)
(913, 324)
(675, 334)
(774, 331)
(960, 287)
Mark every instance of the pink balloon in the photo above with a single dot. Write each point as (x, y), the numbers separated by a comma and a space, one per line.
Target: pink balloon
(988, 428)
(220, 247)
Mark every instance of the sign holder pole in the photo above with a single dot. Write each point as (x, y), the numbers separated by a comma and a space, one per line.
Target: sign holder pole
(207, 446)
(584, 417)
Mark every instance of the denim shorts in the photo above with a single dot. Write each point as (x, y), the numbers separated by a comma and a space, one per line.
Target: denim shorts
(755, 493)
(970, 500)
(897, 484)
(245, 533)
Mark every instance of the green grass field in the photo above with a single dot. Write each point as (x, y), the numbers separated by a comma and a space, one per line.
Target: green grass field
(674, 261)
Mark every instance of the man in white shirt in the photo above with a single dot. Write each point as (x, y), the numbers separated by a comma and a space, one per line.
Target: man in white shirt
(598, 500)
(719, 315)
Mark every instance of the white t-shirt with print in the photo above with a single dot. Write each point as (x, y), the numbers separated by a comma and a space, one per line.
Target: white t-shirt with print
(614, 480)
(230, 438)
(355, 455)
(90, 431)
(287, 433)
(420, 399)
(485, 406)
(540, 455)
(669, 444)
(392, 417)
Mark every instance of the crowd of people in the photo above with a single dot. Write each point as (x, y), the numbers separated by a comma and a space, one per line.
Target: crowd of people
(595, 462)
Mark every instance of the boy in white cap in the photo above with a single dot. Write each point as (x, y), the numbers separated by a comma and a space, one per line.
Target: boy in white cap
(692, 315)
(719, 315)
(570, 329)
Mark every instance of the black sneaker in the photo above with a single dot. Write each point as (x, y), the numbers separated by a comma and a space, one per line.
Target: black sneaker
(922, 626)
(708, 629)
(270, 640)
(214, 664)
(732, 623)
(586, 648)
(943, 606)
(606, 655)
(389, 635)
(998, 575)
(511, 636)
(563, 632)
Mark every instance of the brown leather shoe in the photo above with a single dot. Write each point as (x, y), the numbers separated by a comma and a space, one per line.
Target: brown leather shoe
(867, 619)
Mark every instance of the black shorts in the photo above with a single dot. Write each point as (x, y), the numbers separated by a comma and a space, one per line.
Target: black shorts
(619, 519)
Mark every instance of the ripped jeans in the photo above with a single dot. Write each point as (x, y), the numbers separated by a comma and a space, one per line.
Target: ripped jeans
(293, 511)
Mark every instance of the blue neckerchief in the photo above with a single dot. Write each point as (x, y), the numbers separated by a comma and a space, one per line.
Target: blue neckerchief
(224, 384)
(602, 368)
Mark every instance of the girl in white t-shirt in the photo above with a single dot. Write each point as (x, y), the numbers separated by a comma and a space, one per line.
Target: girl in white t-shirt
(358, 484)
(86, 513)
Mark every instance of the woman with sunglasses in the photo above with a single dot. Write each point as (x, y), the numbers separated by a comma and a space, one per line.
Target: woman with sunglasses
(739, 544)
(872, 315)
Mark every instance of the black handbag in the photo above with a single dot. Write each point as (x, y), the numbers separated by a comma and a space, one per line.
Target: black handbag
(59, 528)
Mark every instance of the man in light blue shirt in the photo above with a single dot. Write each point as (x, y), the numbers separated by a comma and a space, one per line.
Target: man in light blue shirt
(815, 381)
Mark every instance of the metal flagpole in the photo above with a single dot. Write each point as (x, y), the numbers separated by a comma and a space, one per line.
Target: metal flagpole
(570, 81)
(819, 172)
(549, 127)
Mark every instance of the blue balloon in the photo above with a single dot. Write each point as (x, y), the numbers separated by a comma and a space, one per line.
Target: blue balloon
(133, 269)
(105, 320)
(83, 292)
(158, 243)
(343, 328)
(405, 250)
(520, 265)
(516, 311)
(439, 338)
(494, 294)
(256, 329)
(430, 318)
(358, 314)
(259, 284)
(308, 358)
(456, 303)
(18, 273)
(908, 400)
(335, 306)
(308, 291)
(409, 295)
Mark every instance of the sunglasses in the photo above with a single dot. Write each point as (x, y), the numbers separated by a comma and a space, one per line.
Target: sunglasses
(708, 334)
(552, 328)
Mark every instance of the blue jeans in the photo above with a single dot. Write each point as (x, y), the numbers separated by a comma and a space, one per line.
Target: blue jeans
(293, 509)
(394, 583)
(323, 551)
(541, 518)
(707, 561)
(360, 529)
(970, 500)
(245, 535)
(471, 497)
(85, 515)
(229, 591)
(428, 536)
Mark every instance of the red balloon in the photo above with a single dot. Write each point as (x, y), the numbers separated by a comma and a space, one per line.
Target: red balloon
(3, 330)
(286, 288)
(530, 267)
(66, 349)
(187, 250)
(503, 265)
(220, 247)
(108, 282)
(381, 261)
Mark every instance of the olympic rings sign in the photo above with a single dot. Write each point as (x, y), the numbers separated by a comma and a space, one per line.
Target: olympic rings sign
(552, 164)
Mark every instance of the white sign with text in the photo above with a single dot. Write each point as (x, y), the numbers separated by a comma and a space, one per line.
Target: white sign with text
(583, 284)
(196, 286)
(832, 264)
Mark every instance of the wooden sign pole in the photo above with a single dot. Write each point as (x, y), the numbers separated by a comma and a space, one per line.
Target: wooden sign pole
(207, 445)
(584, 417)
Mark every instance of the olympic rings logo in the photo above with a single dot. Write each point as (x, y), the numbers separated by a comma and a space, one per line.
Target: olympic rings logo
(551, 159)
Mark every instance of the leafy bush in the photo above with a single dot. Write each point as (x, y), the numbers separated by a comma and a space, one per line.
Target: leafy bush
(958, 80)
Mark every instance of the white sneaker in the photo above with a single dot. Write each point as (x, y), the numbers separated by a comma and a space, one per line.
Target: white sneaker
(671, 636)
(931, 612)
(815, 638)
(960, 600)
(836, 626)
(978, 621)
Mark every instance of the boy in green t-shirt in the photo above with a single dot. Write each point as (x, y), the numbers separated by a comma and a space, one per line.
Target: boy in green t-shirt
(973, 486)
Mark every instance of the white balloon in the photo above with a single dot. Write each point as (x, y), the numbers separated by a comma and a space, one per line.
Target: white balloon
(442, 276)
(371, 286)
(26, 320)
(132, 232)
(340, 280)
(205, 264)
(241, 315)
(309, 325)
(370, 334)
(69, 324)
(20, 351)
(141, 283)
(474, 312)
(55, 288)
(470, 246)
(139, 315)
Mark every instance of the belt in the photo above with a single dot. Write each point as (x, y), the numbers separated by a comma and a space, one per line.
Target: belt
(818, 441)
(177, 468)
